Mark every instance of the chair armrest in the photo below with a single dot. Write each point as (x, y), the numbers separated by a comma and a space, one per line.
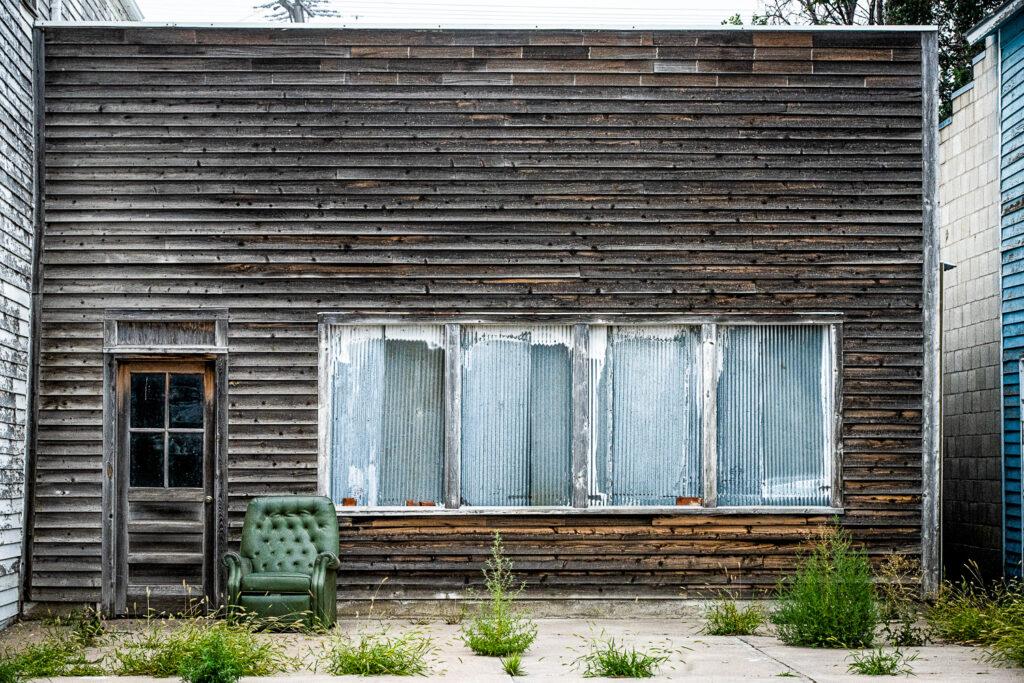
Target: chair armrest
(238, 567)
(324, 589)
(325, 561)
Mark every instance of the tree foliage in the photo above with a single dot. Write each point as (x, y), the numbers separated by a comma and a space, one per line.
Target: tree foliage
(953, 17)
(297, 11)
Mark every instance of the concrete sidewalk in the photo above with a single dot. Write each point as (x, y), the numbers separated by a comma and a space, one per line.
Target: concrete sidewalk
(694, 657)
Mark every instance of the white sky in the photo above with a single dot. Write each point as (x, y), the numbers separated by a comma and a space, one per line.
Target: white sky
(455, 13)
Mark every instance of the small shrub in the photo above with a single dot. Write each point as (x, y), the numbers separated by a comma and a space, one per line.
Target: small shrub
(831, 600)
(608, 659)
(880, 662)
(726, 618)
(380, 655)
(498, 629)
(200, 650)
(513, 665)
(899, 607)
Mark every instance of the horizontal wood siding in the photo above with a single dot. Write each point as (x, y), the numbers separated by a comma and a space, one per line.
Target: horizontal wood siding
(282, 173)
(1011, 45)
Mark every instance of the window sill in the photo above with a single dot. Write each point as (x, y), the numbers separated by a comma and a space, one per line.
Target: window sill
(349, 511)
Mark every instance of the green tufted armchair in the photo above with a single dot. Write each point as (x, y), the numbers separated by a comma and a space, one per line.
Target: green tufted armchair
(287, 567)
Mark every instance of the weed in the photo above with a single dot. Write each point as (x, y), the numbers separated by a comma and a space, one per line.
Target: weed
(498, 629)
(968, 613)
(608, 659)
(726, 618)
(881, 662)
(54, 656)
(453, 613)
(786, 674)
(831, 600)
(513, 665)
(899, 607)
(210, 650)
(9, 670)
(380, 655)
(962, 612)
(86, 625)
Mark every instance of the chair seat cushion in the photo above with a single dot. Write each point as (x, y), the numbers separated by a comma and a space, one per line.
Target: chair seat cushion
(276, 582)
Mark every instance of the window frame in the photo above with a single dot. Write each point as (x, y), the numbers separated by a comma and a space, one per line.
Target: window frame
(581, 430)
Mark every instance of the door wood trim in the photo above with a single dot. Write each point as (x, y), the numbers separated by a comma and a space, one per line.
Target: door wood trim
(115, 529)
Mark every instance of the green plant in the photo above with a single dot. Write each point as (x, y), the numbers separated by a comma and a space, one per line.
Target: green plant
(880, 662)
(56, 655)
(830, 602)
(899, 607)
(608, 659)
(200, 650)
(962, 612)
(9, 671)
(498, 629)
(970, 614)
(726, 618)
(86, 625)
(380, 655)
(513, 665)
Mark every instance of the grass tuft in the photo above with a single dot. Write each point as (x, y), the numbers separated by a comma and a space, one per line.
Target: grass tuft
(86, 626)
(831, 600)
(881, 662)
(380, 655)
(499, 629)
(969, 614)
(608, 659)
(513, 665)
(56, 655)
(199, 650)
(726, 618)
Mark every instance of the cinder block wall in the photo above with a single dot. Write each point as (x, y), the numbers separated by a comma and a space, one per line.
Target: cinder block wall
(969, 220)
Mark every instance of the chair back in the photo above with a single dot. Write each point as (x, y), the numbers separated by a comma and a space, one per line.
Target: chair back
(286, 533)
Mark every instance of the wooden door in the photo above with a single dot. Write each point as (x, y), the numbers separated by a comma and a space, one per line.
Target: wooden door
(166, 485)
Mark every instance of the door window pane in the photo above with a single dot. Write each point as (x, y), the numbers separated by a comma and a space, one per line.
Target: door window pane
(646, 415)
(147, 400)
(775, 411)
(146, 451)
(387, 413)
(185, 459)
(516, 415)
(185, 401)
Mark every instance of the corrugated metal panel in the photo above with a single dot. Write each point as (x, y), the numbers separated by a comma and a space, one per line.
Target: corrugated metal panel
(387, 415)
(1012, 191)
(516, 415)
(646, 408)
(774, 415)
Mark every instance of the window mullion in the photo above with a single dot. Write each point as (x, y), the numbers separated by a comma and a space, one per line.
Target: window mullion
(580, 414)
(709, 390)
(452, 416)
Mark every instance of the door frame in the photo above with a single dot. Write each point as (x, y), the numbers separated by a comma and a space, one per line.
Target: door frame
(123, 485)
(113, 542)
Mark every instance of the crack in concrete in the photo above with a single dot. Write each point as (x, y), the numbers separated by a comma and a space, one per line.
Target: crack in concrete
(778, 661)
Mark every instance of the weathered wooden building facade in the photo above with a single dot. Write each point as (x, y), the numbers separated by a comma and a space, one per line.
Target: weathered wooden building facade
(17, 242)
(657, 305)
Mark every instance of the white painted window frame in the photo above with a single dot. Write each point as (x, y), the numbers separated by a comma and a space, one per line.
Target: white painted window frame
(581, 419)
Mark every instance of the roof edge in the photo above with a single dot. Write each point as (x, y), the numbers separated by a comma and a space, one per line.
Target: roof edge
(994, 21)
(483, 27)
